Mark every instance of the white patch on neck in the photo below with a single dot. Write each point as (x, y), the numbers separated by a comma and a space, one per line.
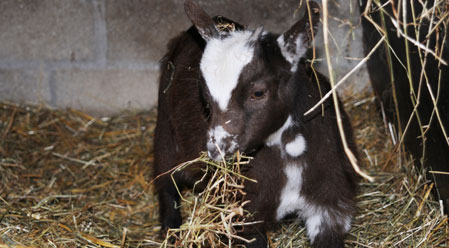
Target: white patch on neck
(276, 137)
(297, 147)
(222, 63)
(292, 57)
(291, 200)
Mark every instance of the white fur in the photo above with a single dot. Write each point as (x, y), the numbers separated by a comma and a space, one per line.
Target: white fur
(287, 55)
(319, 217)
(222, 63)
(344, 220)
(313, 224)
(347, 223)
(276, 137)
(217, 136)
(316, 217)
(291, 200)
(297, 147)
(218, 133)
(292, 57)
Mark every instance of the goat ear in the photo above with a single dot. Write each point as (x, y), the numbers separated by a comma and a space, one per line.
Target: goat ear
(256, 34)
(298, 38)
(201, 20)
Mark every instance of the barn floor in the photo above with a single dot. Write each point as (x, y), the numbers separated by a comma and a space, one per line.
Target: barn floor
(68, 180)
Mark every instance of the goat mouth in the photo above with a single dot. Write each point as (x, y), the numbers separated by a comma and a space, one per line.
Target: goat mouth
(219, 150)
(252, 152)
(215, 152)
(218, 157)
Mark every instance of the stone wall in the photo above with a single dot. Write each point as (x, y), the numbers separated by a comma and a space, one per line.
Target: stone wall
(101, 56)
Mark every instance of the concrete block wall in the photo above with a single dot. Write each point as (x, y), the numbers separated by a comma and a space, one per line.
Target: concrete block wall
(101, 56)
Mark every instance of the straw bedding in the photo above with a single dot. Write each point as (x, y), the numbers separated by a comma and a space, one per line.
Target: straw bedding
(70, 180)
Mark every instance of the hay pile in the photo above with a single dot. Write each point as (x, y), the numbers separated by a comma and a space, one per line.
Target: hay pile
(215, 213)
(69, 180)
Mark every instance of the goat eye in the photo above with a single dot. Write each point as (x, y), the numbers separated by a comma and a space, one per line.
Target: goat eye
(258, 95)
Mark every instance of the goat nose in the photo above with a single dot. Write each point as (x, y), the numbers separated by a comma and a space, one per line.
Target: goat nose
(214, 155)
(212, 151)
(210, 146)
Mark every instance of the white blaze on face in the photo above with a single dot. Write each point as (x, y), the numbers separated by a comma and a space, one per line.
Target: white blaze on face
(222, 63)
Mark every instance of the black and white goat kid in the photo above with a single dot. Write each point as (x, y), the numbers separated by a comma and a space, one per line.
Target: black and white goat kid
(248, 90)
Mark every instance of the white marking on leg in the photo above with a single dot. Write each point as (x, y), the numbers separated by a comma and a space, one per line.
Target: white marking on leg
(276, 137)
(317, 218)
(291, 200)
(313, 224)
(347, 223)
(222, 63)
(344, 220)
(296, 147)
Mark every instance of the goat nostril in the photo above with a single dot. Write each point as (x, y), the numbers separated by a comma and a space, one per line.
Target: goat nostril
(211, 146)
